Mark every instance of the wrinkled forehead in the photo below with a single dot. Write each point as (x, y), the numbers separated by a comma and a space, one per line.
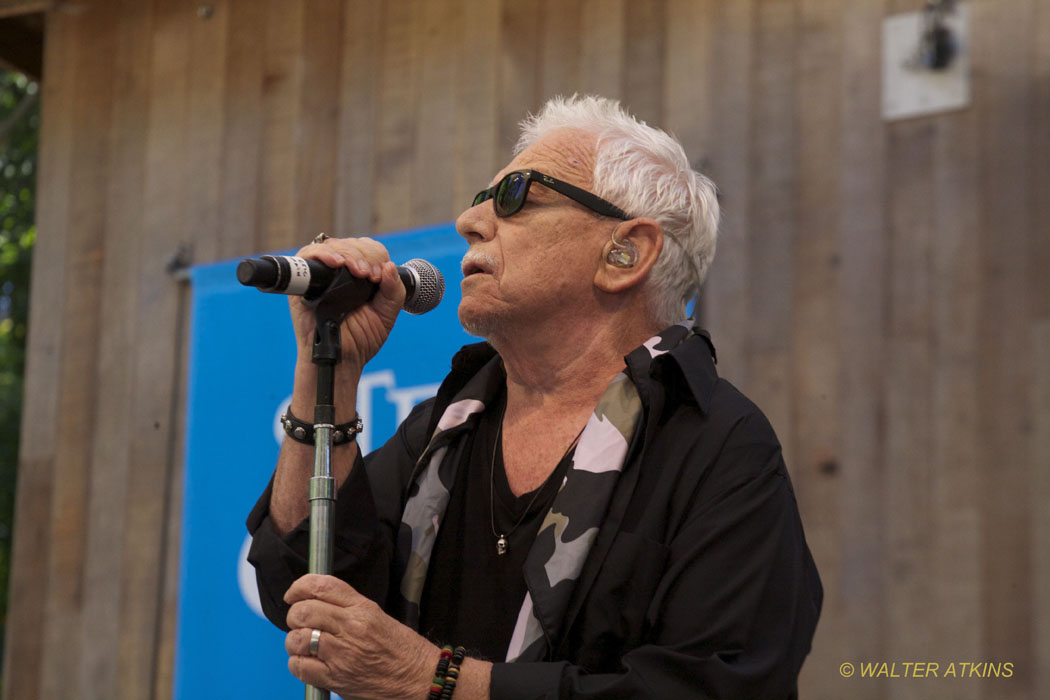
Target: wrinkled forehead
(566, 154)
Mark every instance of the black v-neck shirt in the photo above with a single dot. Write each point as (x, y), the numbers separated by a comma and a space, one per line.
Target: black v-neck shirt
(473, 594)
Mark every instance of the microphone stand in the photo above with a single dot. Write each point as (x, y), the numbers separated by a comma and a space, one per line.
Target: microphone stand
(330, 309)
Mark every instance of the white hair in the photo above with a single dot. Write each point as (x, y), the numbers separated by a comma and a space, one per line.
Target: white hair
(645, 172)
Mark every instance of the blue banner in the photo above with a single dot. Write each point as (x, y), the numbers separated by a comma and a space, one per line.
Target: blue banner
(242, 352)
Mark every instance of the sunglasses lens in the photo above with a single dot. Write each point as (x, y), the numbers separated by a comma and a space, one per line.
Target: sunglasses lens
(510, 193)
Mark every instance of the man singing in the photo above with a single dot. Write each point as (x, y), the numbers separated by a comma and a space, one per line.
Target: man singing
(585, 510)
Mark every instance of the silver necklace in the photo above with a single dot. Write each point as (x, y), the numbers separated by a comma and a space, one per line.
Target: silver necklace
(501, 538)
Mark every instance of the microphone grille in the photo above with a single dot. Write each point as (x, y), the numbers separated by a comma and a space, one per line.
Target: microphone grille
(430, 287)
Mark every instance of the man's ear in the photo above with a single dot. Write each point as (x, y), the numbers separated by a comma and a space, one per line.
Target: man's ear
(629, 255)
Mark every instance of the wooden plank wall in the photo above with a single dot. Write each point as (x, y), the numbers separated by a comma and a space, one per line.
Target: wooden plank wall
(881, 290)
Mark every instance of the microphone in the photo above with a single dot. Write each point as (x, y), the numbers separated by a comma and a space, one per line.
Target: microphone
(286, 274)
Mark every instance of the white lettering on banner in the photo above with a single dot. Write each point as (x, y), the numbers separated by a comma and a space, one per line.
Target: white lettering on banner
(406, 399)
(403, 399)
(370, 381)
(278, 429)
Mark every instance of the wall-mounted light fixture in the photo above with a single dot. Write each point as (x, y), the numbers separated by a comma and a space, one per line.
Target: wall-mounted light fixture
(925, 60)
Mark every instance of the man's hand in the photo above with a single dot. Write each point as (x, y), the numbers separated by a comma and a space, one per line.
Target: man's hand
(362, 334)
(362, 651)
(367, 327)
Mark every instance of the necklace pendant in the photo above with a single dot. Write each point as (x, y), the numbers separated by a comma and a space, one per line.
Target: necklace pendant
(501, 545)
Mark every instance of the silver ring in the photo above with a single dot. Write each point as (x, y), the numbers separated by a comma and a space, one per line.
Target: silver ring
(315, 642)
(321, 237)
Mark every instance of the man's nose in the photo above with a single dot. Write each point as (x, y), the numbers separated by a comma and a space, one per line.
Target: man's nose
(478, 223)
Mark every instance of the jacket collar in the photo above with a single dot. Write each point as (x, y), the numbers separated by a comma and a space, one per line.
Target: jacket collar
(687, 368)
(692, 361)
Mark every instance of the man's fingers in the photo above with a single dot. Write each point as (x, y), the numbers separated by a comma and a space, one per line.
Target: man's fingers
(297, 642)
(328, 589)
(364, 257)
(309, 670)
(322, 253)
(390, 287)
(314, 614)
(372, 250)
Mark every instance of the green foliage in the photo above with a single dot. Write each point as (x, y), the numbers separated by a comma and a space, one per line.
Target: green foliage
(19, 130)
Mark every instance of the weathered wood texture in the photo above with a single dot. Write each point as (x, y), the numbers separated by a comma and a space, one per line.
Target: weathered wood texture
(881, 290)
(14, 8)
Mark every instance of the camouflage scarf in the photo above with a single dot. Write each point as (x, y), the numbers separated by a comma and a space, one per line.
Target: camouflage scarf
(565, 537)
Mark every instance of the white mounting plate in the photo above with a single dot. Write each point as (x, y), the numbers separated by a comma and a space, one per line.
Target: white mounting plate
(908, 91)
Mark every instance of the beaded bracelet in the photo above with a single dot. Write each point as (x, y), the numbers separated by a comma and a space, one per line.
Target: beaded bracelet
(452, 675)
(304, 432)
(438, 683)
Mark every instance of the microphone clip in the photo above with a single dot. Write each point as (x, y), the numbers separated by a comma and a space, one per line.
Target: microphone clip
(330, 308)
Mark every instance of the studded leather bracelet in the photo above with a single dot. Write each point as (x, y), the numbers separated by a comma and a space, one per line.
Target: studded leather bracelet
(304, 432)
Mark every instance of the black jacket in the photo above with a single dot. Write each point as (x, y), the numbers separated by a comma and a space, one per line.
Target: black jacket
(700, 583)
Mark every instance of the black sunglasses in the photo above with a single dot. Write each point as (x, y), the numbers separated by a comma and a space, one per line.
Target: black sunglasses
(508, 195)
